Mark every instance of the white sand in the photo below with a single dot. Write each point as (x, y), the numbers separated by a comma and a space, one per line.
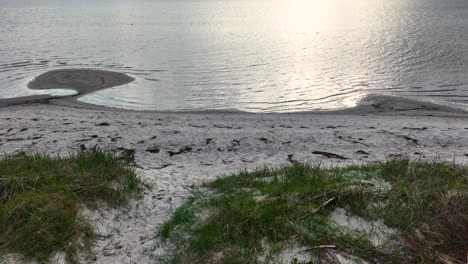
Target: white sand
(175, 151)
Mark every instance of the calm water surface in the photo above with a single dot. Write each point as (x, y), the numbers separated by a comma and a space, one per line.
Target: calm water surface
(251, 55)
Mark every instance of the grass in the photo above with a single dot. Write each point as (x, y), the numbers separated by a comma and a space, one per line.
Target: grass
(250, 217)
(40, 199)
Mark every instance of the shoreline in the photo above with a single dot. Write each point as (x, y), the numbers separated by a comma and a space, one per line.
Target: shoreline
(87, 81)
(372, 104)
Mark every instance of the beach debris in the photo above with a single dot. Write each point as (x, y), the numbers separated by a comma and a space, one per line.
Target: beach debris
(228, 127)
(197, 126)
(163, 166)
(14, 139)
(291, 159)
(415, 128)
(127, 154)
(362, 152)
(265, 140)
(234, 144)
(324, 246)
(415, 141)
(103, 124)
(114, 139)
(357, 142)
(329, 155)
(180, 151)
(153, 150)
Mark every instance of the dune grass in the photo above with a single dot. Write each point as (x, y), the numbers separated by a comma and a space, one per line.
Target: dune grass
(251, 217)
(40, 198)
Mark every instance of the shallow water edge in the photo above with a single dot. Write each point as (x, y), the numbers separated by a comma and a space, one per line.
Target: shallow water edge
(87, 81)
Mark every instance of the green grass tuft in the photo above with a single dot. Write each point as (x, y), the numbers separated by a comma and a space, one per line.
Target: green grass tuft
(249, 216)
(40, 197)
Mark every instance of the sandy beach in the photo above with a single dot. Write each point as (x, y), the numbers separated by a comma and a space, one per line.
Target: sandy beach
(175, 151)
(187, 92)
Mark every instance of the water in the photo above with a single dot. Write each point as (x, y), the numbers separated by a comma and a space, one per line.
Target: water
(250, 55)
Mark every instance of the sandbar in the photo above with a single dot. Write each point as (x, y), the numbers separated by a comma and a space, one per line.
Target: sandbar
(82, 80)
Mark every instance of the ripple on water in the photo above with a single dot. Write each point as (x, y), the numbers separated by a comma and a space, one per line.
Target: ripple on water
(275, 56)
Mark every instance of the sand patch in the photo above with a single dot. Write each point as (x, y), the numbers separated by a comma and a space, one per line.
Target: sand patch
(379, 234)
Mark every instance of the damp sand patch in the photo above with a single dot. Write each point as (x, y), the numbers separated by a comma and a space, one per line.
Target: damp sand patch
(82, 80)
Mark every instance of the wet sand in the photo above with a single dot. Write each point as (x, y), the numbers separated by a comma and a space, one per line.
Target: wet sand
(175, 150)
(82, 80)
